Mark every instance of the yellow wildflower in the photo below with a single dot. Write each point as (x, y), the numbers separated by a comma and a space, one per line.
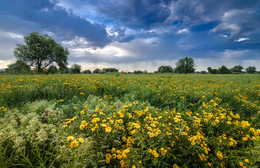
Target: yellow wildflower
(219, 154)
(108, 129)
(70, 138)
(74, 144)
(175, 166)
(81, 140)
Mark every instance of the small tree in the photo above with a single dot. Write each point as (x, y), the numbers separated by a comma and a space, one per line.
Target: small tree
(203, 72)
(75, 69)
(86, 71)
(251, 69)
(111, 70)
(53, 69)
(41, 51)
(224, 70)
(165, 69)
(97, 70)
(237, 69)
(138, 72)
(185, 65)
(213, 71)
(18, 67)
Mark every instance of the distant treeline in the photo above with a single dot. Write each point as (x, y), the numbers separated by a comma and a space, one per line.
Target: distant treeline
(20, 67)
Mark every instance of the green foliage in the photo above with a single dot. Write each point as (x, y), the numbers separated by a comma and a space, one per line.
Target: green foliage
(237, 69)
(18, 67)
(213, 71)
(224, 70)
(140, 72)
(75, 69)
(52, 69)
(109, 70)
(97, 71)
(86, 71)
(251, 69)
(185, 65)
(165, 69)
(41, 51)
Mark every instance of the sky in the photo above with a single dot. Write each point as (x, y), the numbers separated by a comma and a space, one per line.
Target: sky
(138, 34)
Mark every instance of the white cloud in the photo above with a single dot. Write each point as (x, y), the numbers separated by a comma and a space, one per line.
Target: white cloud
(241, 39)
(224, 35)
(113, 50)
(152, 40)
(183, 31)
(15, 36)
(75, 43)
(4, 63)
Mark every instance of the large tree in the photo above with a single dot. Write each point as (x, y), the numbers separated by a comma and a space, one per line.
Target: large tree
(185, 65)
(41, 51)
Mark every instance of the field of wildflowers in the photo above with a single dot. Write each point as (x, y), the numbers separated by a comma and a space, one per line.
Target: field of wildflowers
(149, 120)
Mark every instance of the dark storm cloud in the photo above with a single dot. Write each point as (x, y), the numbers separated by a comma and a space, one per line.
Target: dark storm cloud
(46, 15)
(232, 18)
(120, 35)
(138, 13)
(135, 14)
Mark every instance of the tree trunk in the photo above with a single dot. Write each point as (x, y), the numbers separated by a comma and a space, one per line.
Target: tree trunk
(39, 68)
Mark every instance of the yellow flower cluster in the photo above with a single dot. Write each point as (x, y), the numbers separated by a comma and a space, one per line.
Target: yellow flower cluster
(75, 142)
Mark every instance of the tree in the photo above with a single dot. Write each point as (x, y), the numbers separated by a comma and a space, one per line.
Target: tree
(251, 69)
(86, 71)
(41, 51)
(165, 69)
(97, 70)
(203, 72)
(185, 65)
(18, 67)
(75, 69)
(224, 70)
(213, 71)
(138, 72)
(111, 70)
(237, 69)
(53, 69)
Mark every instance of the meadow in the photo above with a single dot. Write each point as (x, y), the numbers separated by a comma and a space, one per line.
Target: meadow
(122, 120)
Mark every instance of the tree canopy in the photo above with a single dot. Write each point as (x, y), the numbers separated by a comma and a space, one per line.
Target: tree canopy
(97, 70)
(18, 67)
(251, 69)
(75, 69)
(52, 69)
(86, 71)
(41, 51)
(165, 69)
(111, 70)
(185, 65)
(224, 70)
(237, 69)
(213, 71)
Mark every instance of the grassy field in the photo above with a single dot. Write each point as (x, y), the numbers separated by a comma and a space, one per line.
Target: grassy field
(120, 120)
